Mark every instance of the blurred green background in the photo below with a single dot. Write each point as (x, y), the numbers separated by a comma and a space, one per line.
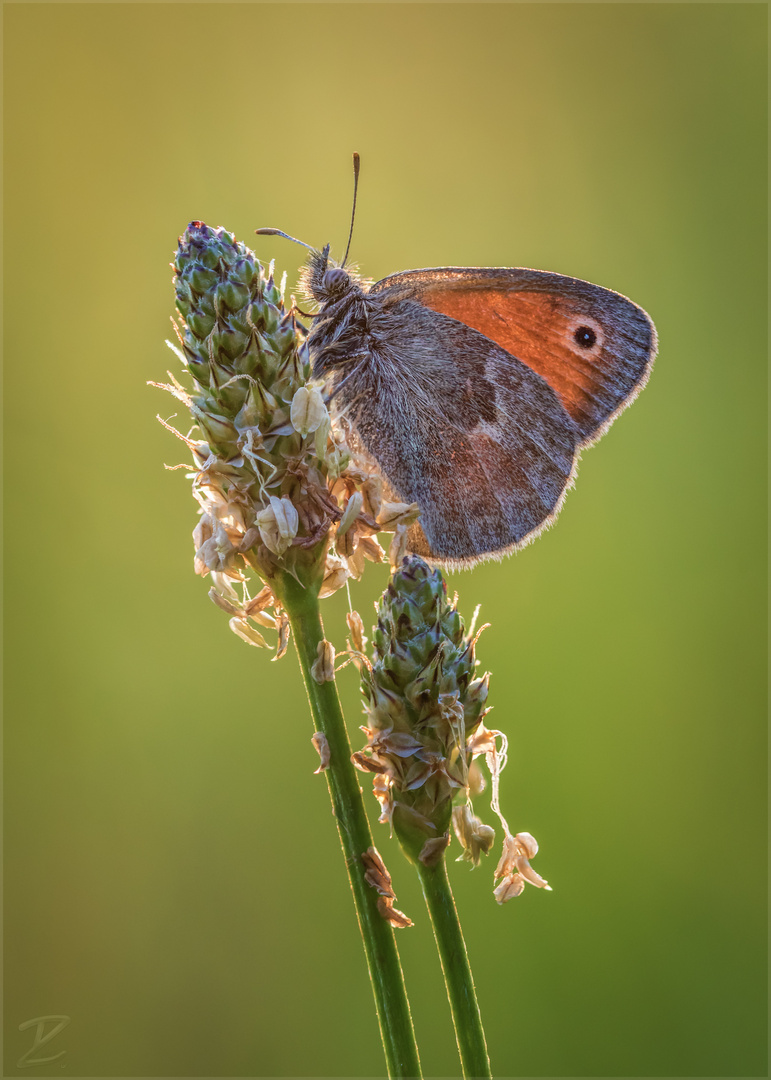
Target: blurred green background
(173, 880)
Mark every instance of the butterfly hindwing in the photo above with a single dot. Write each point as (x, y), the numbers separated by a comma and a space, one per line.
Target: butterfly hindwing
(465, 429)
(594, 347)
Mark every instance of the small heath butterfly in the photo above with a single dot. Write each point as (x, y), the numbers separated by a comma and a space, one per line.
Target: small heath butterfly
(475, 389)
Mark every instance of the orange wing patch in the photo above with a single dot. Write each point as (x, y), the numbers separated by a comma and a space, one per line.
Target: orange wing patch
(592, 346)
(539, 331)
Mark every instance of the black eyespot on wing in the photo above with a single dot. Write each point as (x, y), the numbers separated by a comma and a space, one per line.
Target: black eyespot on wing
(585, 337)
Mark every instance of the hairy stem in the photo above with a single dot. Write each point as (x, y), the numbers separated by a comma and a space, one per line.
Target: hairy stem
(457, 972)
(393, 1010)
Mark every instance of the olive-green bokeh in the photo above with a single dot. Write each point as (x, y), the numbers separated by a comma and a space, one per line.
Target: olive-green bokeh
(174, 883)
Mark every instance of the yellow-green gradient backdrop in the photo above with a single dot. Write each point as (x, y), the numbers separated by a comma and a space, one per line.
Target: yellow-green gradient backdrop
(174, 883)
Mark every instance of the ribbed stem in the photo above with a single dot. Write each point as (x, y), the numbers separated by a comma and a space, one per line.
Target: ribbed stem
(466, 1017)
(393, 1010)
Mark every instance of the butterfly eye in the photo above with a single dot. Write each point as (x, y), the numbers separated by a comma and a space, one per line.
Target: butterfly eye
(585, 337)
(335, 279)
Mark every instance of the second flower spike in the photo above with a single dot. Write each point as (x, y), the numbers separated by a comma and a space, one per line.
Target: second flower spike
(425, 707)
(423, 703)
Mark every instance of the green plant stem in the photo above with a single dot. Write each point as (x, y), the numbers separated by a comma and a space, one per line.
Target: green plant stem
(393, 1010)
(466, 1017)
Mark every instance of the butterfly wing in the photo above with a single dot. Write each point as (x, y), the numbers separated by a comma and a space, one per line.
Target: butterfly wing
(594, 347)
(457, 424)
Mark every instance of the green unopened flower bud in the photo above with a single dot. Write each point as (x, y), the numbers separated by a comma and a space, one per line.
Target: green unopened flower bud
(231, 295)
(218, 431)
(200, 279)
(269, 317)
(228, 344)
(200, 324)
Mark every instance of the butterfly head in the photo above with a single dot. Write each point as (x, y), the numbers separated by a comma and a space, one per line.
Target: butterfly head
(324, 281)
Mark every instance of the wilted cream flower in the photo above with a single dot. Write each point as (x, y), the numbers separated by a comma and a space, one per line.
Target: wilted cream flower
(319, 740)
(509, 888)
(433, 850)
(323, 667)
(335, 576)
(214, 548)
(308, 411)
(381, 789)
(397, 550)
(247, 633)
(358, 640)
(352, 511)
(277, 524)
(514, 868)
(475, 837)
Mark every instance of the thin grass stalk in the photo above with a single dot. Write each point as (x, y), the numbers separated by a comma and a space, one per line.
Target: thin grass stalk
(466, 1017)
(393, 1011)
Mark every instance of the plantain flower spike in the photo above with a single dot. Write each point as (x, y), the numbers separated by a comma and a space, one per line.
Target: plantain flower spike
(425, 706)
(271, 473)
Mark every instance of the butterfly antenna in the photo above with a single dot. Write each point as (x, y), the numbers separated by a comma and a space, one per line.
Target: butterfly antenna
(353, 212)
(278, 232)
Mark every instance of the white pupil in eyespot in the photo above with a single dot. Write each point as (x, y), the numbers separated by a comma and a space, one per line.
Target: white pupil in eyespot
(585, 337)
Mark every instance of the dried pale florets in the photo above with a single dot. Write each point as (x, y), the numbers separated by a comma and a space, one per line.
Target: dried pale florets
(377, 877)
(323, 667)
(381, 789)
(433, 850)
(274, 479)
(514, 868)
(247, 633)
(277, 524)
(425, 708)
(474, 836)
(397, 550)
(319, 740)
(358, 640)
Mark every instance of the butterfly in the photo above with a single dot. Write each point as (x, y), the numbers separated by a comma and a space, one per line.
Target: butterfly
(475, 390)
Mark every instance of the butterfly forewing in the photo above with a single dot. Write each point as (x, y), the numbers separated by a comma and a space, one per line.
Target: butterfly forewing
(594, 347)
